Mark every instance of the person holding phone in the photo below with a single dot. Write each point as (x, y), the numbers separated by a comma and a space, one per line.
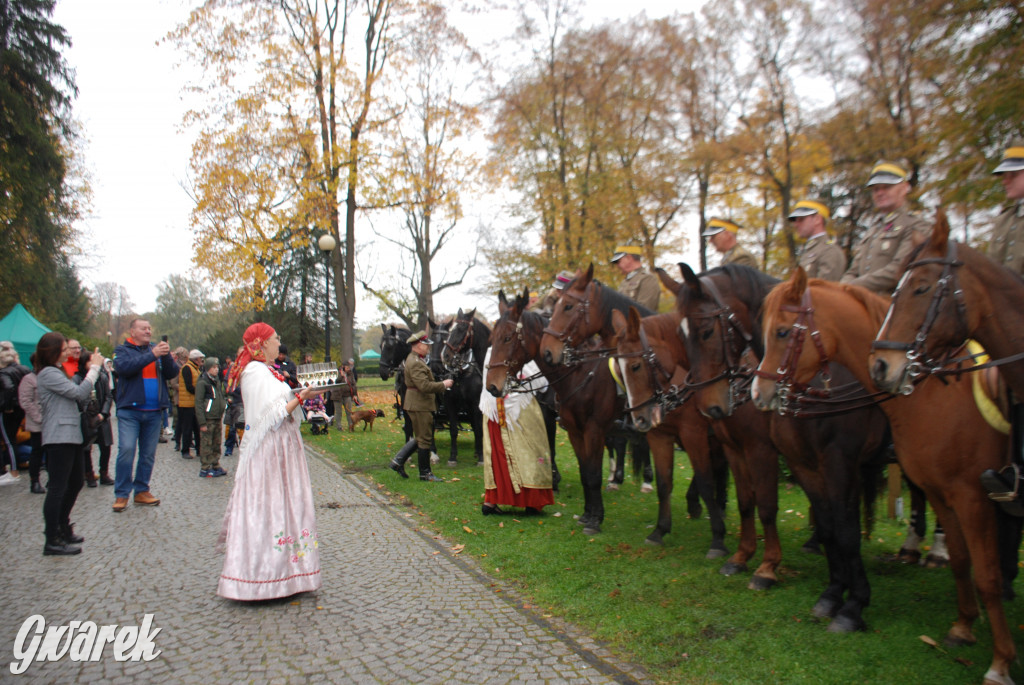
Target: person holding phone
(143, 370)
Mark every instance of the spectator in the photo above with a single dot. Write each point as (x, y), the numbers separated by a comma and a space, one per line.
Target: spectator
(316, 407)
(28, 398)
(234, 415)
(180, 358)
(547, 305)
(517, 458)
(11, 373)
(59, 400)
(210, 404)
(187, 378)
(286, 367)
(269, 531)
(71, 363)
(722, 236)
(143, 370)
(104, 438)
(345, 394)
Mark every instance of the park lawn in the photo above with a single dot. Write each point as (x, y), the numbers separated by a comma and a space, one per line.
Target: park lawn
(667, 608)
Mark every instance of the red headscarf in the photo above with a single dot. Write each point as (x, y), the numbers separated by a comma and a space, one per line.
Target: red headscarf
(254, 337)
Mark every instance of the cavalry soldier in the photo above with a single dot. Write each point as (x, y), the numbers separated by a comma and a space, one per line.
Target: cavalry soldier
(420, 404)
(721, 233)
(819, 256)
(1007, 243)
(878, 257)
(639, 285)
(546, 305)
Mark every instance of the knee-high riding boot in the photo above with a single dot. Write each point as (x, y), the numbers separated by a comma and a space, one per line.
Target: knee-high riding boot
(398, 461)
(424, 462)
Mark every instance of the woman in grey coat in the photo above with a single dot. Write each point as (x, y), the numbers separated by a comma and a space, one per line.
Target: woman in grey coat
(60, 401)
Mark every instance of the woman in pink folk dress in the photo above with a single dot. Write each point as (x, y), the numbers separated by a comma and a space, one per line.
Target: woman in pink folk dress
(269, 533)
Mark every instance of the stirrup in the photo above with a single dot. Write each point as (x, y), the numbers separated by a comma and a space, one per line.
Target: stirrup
(1003, 485)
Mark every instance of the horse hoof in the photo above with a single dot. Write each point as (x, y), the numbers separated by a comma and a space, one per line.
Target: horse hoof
(812, 548)
(695, 512)
(936, 562)
(591, 529)
(760, 583)
(716, 553)
(611, 487)
(994, 678)
(731, 568)
(646, 487)
(452, 463)
(825, 608)
(846, 624)
(653, 541)
(908, 556)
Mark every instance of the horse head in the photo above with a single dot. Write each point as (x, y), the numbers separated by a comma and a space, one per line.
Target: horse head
(393, 349)
(927, 319)
(467, 341)
(571, 322)
(784, 361)
(640, 363)
(508, 345)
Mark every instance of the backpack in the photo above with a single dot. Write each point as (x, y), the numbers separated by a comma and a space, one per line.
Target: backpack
(10, 378)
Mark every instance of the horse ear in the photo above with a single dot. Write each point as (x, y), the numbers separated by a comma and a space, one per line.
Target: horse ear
(471, 314)
(618, 322)
(523, 300)
(590, 274)
(634, 320)
(940, 232)
(797, 284)
(383, 328)
(502, 302)
(671, 284)
(459, 315)
(690, 277)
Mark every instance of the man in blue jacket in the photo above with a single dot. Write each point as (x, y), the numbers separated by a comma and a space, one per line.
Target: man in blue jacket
(143, 370)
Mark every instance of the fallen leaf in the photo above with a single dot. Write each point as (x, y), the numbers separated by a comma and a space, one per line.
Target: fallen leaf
(454, 480)
(965, 662)
(434, 553)
(458, 548)
(501, 525)
(467, 529)
(557, 514)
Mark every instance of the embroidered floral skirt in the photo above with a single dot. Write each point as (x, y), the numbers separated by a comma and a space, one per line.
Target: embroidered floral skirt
(269, 532)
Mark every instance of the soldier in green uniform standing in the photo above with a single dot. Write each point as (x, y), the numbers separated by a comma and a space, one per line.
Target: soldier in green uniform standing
(1007, 243)
(819, 256)
(878, 256)
(639, 284)
(420, 402)
(721, 233)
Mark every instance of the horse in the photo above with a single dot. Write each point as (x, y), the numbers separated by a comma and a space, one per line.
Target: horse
(462, 400)
(835, 455)
(565, 332)
(949, 293)
(941, 439)
(587, 405)
(393, 351)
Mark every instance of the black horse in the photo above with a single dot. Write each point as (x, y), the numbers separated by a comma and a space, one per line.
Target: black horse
(393, 351)
(461, 402)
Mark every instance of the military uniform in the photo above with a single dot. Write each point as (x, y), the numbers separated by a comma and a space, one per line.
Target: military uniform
(739, 256)
(878, 257)
(420, 398)
(821, 258)
(1007, 243)
(643, 287)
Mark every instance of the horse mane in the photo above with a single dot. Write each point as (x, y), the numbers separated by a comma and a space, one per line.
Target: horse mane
(612, 299)
(873, 305)
(752, 287)
(662, 326)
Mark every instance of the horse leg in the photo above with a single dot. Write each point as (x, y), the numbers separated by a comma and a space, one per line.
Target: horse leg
(693, 497)
(590, 474)
(616, 461)
(843, 491)
(745, 503)
(642, 462)
(693, 437)
(662, 446)
(764, 466)
(452, 402)
(550, 423)
(719, 472)
(910, 551)
(1010, 529)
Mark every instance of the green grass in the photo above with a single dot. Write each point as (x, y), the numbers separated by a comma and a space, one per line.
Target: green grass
(667, 608)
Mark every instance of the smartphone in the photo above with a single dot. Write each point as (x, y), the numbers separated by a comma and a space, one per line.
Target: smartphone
(164, 338)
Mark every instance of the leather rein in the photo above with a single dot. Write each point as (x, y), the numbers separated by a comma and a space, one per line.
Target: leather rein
(668, 398)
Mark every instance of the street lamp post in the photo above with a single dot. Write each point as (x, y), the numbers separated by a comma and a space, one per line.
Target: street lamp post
(327, 243)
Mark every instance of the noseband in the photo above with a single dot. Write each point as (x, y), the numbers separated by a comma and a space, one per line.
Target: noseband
(948, 286)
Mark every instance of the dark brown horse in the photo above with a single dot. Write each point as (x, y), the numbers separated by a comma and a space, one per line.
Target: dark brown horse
(587, 405)
(941, 439)
(835, 455)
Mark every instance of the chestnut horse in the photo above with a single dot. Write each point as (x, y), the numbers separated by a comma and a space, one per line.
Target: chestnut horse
(941, 439)
(835, 454)
(587, 401)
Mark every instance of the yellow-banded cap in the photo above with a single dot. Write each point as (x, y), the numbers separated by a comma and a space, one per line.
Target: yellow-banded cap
(887, 173)
(809, 207)
(623, 250)
(716, 225)
(1013, 158)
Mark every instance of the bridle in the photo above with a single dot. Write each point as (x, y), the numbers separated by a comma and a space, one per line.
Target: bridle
(510, 364)
(919, 362)
(784, 376)
(568, 337)
(668, 398)
(457, 361)
(738, 374)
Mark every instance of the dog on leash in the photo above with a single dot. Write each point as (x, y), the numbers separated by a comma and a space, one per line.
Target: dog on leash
(367, 416)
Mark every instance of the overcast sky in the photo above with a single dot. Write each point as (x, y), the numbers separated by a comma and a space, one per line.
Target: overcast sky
(130, 107)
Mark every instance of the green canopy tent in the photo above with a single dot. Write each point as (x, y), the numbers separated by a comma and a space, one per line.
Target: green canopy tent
(22, 329)
(370, 354)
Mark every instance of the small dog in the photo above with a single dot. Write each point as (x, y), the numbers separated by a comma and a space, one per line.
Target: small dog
(367, 416)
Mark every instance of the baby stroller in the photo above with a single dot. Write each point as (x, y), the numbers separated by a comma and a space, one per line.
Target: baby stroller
(318, 425)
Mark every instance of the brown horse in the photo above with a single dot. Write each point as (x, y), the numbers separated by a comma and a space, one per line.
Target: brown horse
(948, 294)
(835, 456)
(941, 439)
(588, 406)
